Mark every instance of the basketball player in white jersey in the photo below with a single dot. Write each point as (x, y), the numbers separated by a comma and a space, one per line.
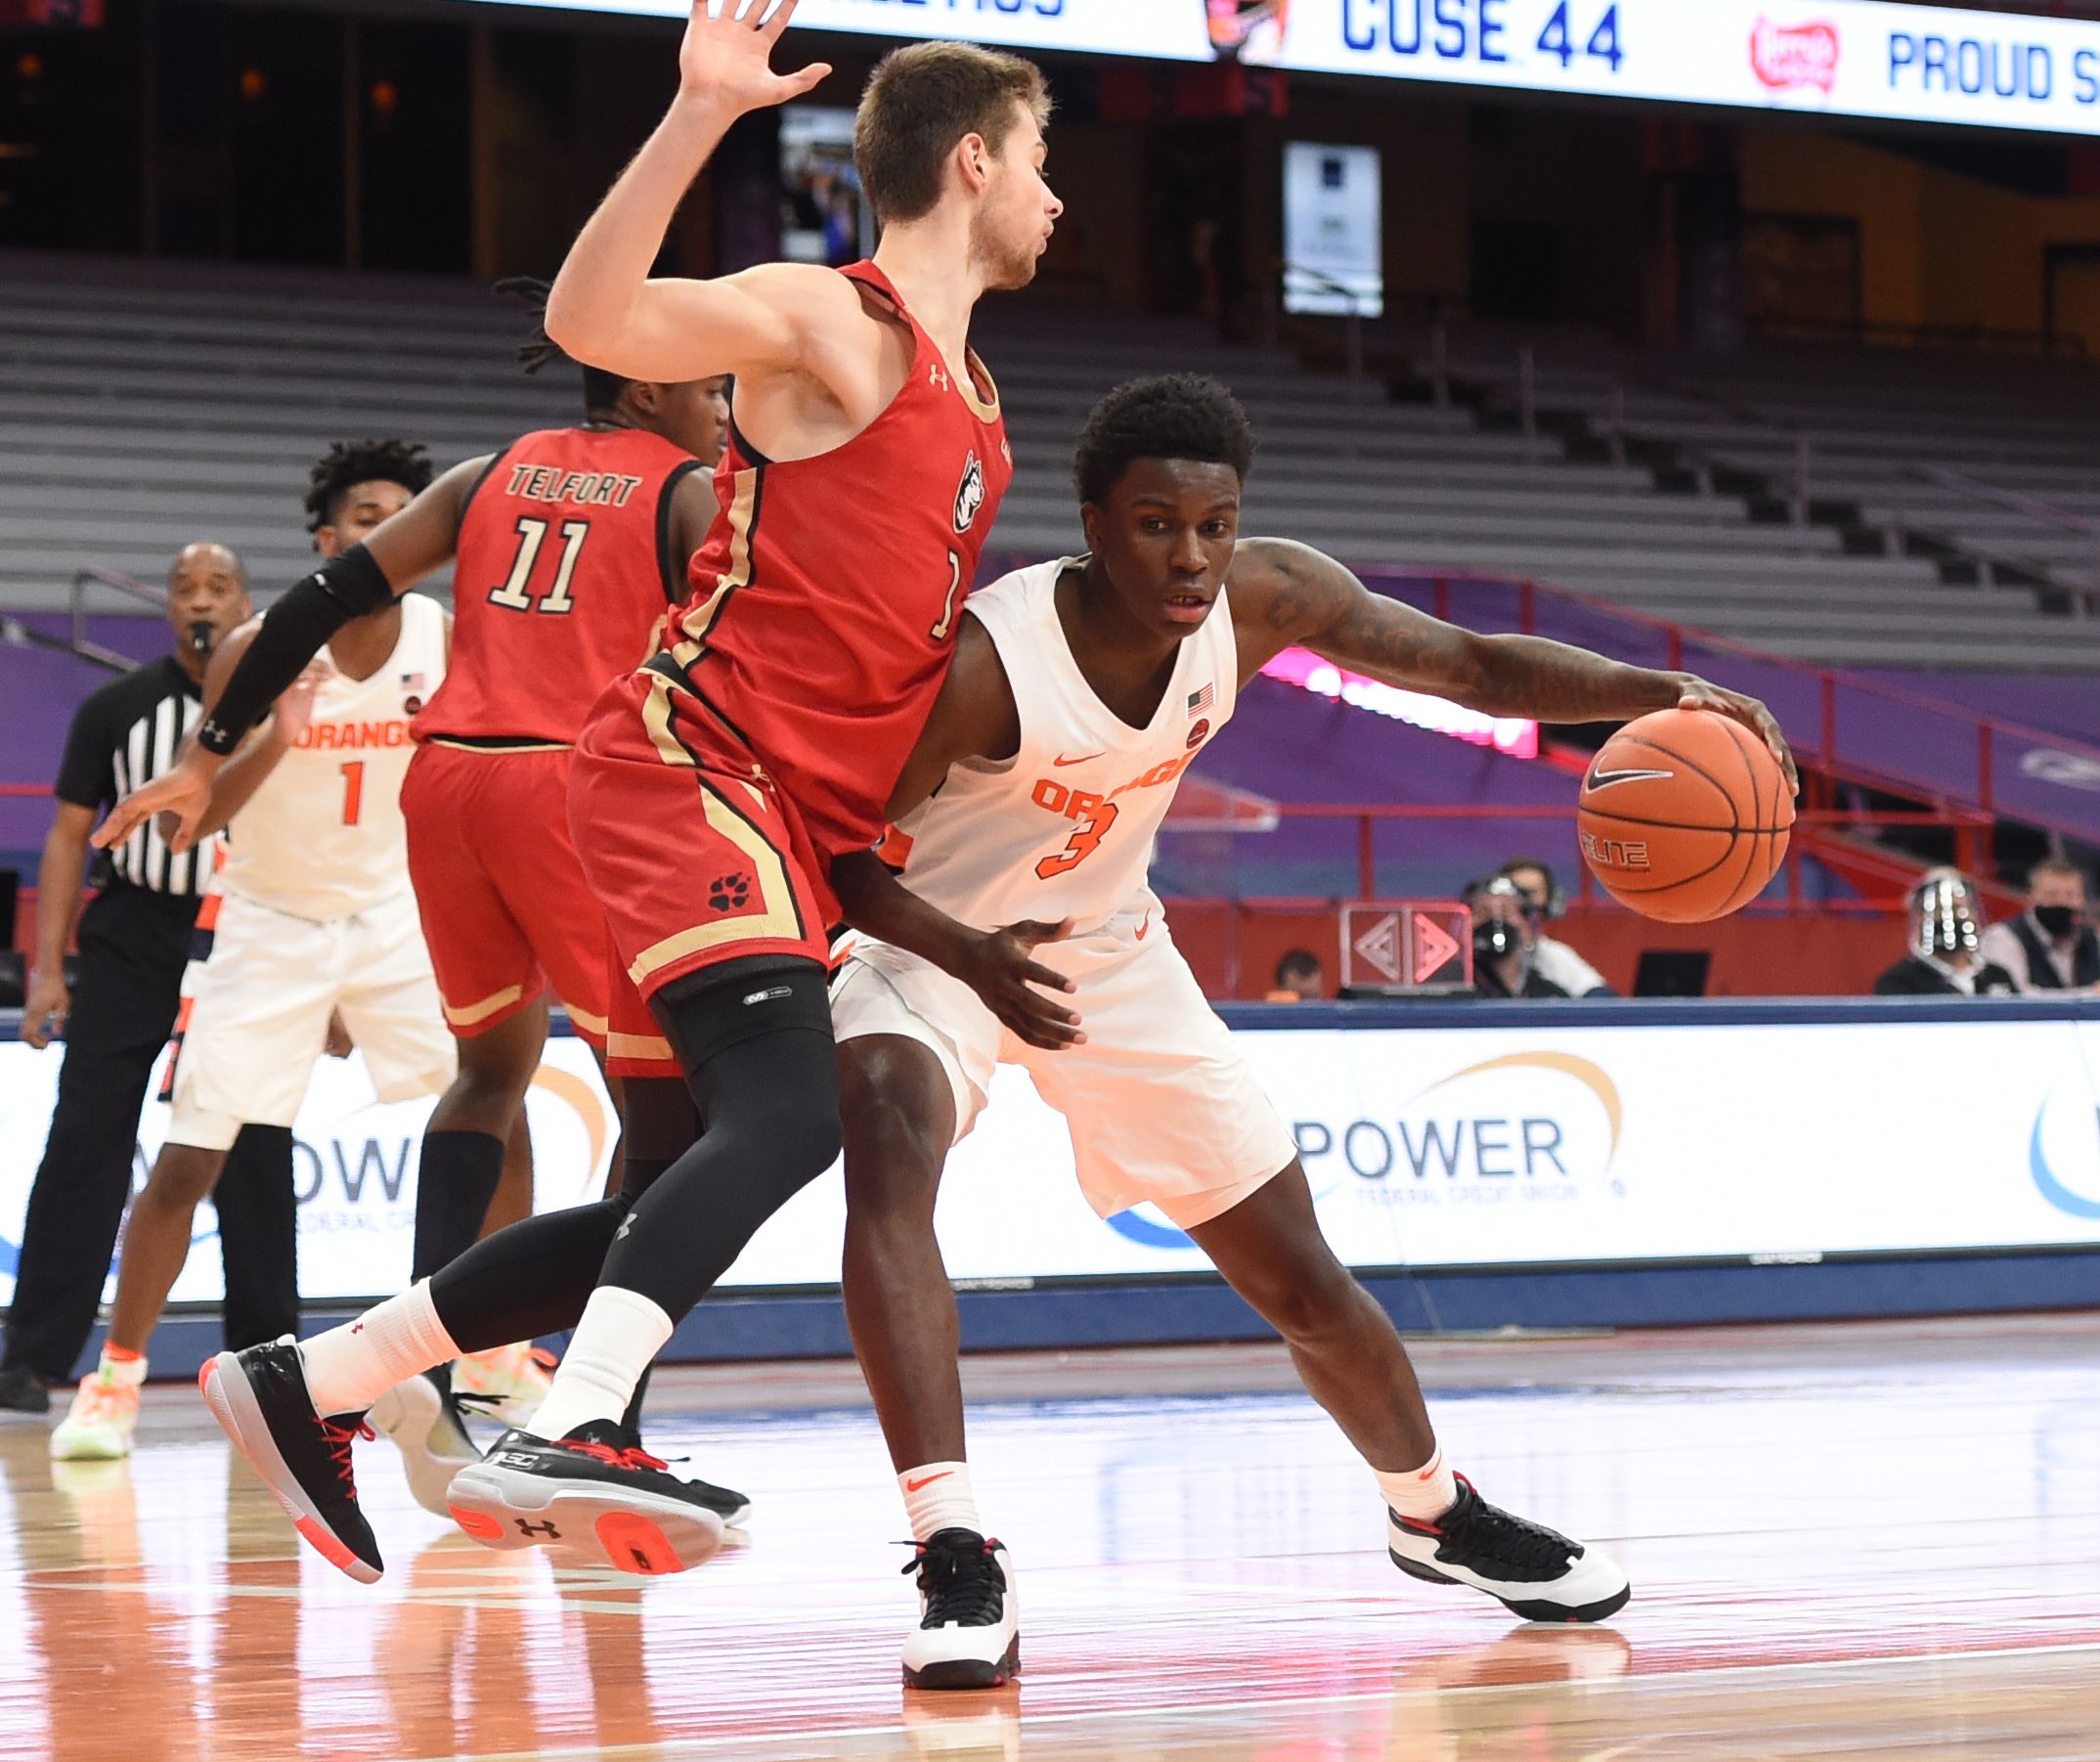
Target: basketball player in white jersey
(1079, 692)
(311, 918)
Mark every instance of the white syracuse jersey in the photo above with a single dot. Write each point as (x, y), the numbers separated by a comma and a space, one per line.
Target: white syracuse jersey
(324, 836)
(1065, 828)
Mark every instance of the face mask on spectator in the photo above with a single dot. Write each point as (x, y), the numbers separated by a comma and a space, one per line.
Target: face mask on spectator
(2057, 920)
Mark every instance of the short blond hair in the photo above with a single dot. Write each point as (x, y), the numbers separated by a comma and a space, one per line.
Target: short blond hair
(920, 101)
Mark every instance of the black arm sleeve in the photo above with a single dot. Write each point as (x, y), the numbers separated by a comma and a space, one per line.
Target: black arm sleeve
(344, 587)
(86, 778)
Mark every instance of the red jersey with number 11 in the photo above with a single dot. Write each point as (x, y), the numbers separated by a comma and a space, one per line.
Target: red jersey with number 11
(826, 597)
(563, 579)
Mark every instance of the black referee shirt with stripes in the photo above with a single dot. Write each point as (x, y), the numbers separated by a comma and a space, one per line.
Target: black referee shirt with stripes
(125, 735)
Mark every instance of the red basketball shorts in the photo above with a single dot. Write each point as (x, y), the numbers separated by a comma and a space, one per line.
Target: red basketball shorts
(693, 856)
(508, 912)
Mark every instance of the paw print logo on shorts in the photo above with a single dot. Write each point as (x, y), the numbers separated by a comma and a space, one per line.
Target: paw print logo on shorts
(728, 892)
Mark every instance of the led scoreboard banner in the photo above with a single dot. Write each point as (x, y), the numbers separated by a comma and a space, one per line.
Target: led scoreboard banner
(1842, 58)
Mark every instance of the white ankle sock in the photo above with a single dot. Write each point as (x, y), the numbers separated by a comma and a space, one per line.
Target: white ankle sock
(121, 1372)
(620, 1333)
(350, 1367)
(1425, 1493)
(938, 1496)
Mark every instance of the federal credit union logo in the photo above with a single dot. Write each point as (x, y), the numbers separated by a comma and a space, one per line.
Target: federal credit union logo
(1786, 57)
(1548, 1121)
(1526, 1127)
(2063, 1150)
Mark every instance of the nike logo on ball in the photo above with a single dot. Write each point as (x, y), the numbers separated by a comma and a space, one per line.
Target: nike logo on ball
(1603, 780)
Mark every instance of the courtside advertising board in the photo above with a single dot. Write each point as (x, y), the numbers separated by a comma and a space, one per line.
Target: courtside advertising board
(1427, 1148)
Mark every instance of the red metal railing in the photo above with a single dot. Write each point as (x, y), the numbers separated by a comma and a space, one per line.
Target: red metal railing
(1970, 830)
(1826, 756)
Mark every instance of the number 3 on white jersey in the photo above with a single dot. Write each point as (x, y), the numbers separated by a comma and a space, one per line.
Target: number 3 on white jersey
(939, 631)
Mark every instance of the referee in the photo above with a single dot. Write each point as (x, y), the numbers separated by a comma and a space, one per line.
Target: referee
(134, 943)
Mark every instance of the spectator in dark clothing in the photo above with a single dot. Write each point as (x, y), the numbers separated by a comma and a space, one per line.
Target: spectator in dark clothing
(1502, 943)
(1551, 959)
(1946, 942)
(2049, 946)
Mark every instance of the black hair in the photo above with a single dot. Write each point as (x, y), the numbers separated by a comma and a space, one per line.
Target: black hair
(1508, 872)
(1177, 415)
(353, 462)
(601, 389)
(1296, 961)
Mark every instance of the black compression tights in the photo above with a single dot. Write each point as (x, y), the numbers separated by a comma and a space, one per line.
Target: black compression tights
(771, 1109)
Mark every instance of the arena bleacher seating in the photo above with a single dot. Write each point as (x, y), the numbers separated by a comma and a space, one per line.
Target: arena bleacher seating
(1939, 528)
(1840, 504)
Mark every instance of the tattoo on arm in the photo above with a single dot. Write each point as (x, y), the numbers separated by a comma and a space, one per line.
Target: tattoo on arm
(1306, 597)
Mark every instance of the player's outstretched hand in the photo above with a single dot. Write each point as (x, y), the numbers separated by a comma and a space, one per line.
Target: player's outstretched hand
(1701, 694)
(998, 967)
(183, 791)
(726, 56)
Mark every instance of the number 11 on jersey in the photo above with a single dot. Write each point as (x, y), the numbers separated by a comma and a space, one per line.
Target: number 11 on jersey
(532, 534)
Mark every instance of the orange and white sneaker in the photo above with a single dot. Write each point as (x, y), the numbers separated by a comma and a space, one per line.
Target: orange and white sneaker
(105, 1414)
(510, 1381)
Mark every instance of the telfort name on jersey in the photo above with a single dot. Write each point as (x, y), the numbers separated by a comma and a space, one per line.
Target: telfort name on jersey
(580, 488)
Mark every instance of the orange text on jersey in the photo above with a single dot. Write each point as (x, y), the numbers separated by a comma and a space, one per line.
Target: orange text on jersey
(586, 488)
(344, 736)
(1077, 804)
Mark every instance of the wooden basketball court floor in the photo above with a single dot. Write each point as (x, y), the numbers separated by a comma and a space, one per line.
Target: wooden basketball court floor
(1868, 1540)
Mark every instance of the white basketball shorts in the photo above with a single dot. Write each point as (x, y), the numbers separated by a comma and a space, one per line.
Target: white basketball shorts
(1162, 1104)
(255, 1003)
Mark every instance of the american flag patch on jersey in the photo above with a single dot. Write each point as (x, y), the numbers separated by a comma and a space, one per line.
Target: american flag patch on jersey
(1200, 701)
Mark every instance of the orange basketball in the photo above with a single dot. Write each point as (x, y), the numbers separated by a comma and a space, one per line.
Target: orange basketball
(1683, 815)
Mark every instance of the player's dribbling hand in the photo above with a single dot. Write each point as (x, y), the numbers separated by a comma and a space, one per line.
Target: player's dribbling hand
(997, 966)
(183, 791)
(1700, 694)
(726, 57)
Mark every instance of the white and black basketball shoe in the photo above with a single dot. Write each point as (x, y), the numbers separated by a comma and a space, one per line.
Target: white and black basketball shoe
(969, 1632)
(1529, 1570)
(594, 1497)
(259, 1398)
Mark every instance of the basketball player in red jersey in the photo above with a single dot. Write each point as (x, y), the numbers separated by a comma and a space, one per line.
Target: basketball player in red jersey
(569, 548)
(711, 789)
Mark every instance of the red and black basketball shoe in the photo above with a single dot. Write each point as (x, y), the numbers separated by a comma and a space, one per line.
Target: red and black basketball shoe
(594, 1496)
(259, 1398)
